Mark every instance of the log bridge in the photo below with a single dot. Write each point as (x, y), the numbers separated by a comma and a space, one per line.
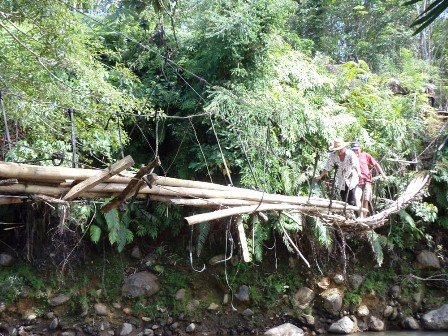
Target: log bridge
(60, 185)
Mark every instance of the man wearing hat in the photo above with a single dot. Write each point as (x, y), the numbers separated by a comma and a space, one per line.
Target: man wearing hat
(348, 170)
(365, 181)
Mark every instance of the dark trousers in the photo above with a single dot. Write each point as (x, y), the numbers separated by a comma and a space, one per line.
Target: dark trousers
(432, 101)
(348, 195)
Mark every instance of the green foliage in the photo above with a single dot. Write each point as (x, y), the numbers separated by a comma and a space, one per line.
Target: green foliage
(260, 234)
(14, 278)
(426, 211)
(269, 286)
(352, 299)
(204, 229)
(322, 232)
(377, 242)
(377, 281)
(162, 303)
(407, 234)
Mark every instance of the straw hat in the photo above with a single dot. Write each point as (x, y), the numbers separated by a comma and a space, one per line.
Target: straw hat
(338, 143)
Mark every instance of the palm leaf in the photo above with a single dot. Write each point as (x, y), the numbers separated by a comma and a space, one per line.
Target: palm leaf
(432, 12)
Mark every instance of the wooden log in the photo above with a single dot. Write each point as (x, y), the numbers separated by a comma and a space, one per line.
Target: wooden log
(99, 177)
(55, 174)
(133, 187)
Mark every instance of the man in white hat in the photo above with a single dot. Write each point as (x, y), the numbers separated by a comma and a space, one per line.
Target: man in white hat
(348, 170)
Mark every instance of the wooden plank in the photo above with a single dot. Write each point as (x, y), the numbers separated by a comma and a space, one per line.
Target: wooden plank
(133, 187)
(104, 175)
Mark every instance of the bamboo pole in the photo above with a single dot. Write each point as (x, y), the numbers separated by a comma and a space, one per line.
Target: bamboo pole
(196, 219)
(204, 203)
(174, 182)
(243, 239)
(55, 174)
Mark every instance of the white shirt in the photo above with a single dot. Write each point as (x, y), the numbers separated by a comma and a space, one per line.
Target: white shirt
(347, 173)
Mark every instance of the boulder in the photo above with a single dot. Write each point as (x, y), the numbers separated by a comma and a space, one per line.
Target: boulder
(436, 319)
(303, 298)
(344, 326)
(140, 284)
(286, 329)
(428, 260)
(375, 324)
(332, 300)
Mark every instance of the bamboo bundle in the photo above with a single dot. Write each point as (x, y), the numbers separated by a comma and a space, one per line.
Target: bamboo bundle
(60, 184)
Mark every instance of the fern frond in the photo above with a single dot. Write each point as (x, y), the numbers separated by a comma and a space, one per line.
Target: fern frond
(204, 230)
(322, 233)
(377, 242)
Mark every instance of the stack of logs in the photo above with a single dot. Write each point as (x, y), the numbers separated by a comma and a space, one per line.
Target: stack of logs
(21, 182)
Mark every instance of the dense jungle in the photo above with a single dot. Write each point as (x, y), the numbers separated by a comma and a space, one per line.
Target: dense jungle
(239, 93)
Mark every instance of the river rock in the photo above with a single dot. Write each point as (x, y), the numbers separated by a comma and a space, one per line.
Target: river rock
(6, 259)
(101, 309)
(59, 300)
(394, 291)
(303, 297)
(355, 281)
(247, 312)
(332, 300)
(126, 329)
(136, 253)
(428, 260)
(338, 279)
(388, 311)
(324, 283)
(190, 328)
(410, 323)
(436, 319)
(362, 311)
(140, 284)
(286, 329)
(375, 324)
(344, 326)
(180, 294)
(243, 293)
(213, 306)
